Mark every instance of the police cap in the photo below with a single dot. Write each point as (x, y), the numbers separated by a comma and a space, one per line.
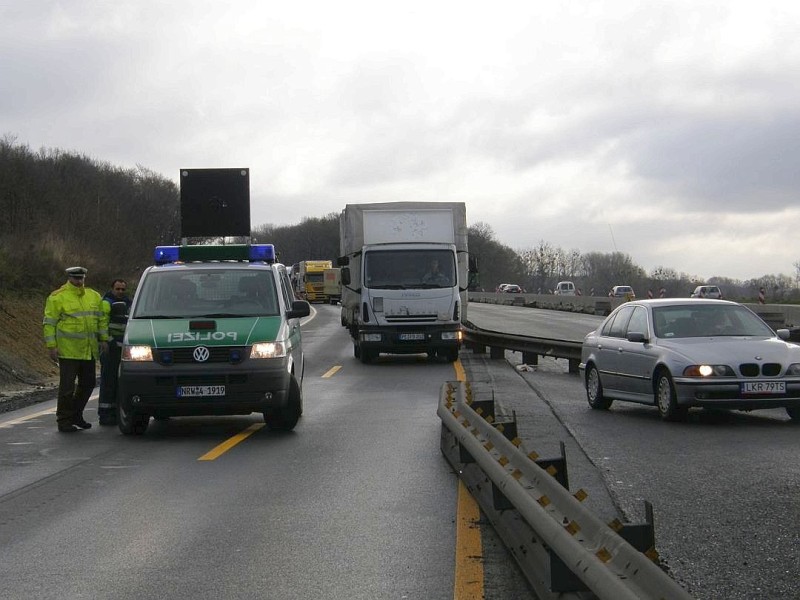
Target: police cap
(76, 272)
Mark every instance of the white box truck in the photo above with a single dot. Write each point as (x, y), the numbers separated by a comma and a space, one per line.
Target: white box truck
(405, 270)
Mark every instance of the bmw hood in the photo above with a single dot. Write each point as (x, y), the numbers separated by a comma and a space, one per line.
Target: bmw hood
(732, 350)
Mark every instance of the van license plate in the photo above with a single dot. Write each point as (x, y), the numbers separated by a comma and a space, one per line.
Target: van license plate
(186, 391)
(412, 337)
(764, 387)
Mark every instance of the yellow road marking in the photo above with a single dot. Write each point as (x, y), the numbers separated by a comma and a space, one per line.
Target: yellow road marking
(231, 442)
(332, 371)
(469, 550)
(461, 375)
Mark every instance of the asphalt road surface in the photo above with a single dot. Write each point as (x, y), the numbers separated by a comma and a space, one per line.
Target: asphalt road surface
(358, 502)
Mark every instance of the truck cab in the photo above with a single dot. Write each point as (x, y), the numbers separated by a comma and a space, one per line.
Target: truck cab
(404, 278)
(212, 331)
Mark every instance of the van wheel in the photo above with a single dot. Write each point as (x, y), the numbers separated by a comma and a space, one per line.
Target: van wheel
(286, 418)
(128, 421)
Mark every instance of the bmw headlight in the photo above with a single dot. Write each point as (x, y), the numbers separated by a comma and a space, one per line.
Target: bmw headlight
(268, 350)
(794, 369)
(137, 353)
(708, 371)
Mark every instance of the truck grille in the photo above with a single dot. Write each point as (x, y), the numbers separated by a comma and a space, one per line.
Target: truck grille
(411, 318)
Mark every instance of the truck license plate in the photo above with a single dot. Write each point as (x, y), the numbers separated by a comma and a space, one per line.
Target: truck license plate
(185, 391)
(764, 387)
(412, 337)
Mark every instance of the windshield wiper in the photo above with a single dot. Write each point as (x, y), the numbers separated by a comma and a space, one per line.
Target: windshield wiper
(157, 317)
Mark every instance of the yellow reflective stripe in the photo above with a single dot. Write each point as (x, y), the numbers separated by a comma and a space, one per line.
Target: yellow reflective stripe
(48, 321)
(84, 313)
(76, 336)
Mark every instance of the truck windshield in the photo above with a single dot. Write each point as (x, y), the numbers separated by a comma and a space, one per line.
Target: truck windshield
(182, 293)
(409, 269)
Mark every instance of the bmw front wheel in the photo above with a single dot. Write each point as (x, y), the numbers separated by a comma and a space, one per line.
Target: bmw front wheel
(666, 398)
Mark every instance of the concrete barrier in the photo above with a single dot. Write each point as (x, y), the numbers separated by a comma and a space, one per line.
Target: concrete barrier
(776, 315)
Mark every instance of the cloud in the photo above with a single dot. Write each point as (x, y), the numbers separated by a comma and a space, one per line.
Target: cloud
(665, 130)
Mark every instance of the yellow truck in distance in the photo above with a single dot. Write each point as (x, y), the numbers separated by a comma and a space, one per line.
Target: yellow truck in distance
(332, 284)
(310, 279)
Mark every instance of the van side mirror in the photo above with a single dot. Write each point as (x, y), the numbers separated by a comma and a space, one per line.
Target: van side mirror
(344, 275)
(300, 308)
(119, 309)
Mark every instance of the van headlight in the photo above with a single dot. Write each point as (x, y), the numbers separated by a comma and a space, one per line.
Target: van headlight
(137, 353)
(268, 350)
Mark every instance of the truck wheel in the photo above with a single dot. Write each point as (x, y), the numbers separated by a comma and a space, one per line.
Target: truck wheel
(286, 418)
(451, 355)
(356, 350)
(128, 421)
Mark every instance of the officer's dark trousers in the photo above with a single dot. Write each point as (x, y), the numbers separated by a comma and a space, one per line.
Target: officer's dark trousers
(109, 374)
(72, 398)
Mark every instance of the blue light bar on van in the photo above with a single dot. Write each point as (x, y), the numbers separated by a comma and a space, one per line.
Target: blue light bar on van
(245, 252)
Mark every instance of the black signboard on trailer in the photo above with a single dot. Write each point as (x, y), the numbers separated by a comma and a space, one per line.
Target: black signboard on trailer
(215, 202)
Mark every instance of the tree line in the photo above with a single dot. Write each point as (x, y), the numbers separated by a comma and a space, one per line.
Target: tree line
(59, 209)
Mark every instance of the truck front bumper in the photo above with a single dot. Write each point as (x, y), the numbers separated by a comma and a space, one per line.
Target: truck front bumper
(410, 339)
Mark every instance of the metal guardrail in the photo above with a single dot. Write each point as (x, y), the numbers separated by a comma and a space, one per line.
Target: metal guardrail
(531, 347)
(564, 550)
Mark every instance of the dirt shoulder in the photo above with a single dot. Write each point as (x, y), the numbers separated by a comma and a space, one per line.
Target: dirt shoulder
(25, 368)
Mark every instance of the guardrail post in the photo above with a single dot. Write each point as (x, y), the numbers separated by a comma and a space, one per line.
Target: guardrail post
(530, 358)
(557, 467)
(497, 352)
(574, 365)
(641, 536)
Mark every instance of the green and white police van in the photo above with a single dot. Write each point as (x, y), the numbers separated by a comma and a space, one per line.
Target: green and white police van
(213, 330)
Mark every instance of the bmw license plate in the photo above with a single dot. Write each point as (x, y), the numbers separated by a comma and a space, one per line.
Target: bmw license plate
(186, 391)
(412, 337)
(764, 387)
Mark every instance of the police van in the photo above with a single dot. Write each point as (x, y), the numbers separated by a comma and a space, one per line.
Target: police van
(213, 330)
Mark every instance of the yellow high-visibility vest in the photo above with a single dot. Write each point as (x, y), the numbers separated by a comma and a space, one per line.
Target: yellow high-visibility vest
(74, 322)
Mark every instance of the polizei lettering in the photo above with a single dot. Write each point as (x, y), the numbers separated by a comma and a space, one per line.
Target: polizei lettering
(202, 336)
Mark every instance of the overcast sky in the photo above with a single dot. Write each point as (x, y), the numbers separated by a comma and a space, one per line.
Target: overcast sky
(669, 131)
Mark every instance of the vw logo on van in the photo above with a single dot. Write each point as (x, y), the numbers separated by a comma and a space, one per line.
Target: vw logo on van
(201, 354)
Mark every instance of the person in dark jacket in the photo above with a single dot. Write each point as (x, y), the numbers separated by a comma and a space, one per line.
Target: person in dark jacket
(109, 361)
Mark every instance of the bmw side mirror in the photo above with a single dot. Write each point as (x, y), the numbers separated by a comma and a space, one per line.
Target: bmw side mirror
(637, 337)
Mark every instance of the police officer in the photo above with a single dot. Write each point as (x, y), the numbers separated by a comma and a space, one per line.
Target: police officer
(75, 330)
(109, 361)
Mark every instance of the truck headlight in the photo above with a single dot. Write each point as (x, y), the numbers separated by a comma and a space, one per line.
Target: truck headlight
(137, 353)
(268, 350)
(370, 337)
(451, 335)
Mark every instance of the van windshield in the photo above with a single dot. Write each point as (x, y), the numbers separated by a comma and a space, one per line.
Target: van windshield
(183, 293)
